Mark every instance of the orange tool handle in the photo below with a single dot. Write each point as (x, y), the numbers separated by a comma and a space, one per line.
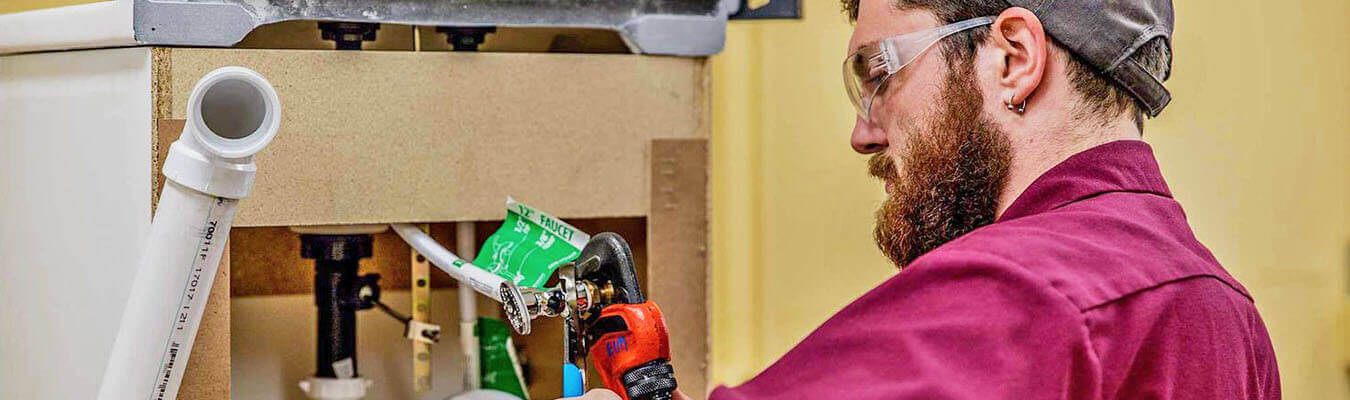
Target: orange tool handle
(631, 351)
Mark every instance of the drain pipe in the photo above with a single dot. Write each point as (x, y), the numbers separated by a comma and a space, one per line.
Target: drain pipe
(339, 292)
(233, 113)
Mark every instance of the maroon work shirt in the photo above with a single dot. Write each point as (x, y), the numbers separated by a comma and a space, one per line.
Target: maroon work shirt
(1090, 286)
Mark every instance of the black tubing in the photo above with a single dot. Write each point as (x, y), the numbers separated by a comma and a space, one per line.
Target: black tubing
(336, 283)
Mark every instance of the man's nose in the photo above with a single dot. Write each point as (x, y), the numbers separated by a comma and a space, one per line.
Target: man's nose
(867, 138)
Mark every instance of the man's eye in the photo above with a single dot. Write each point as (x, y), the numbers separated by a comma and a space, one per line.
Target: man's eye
(860, 66)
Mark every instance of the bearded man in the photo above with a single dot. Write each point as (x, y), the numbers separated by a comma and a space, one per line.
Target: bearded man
(1042, 255)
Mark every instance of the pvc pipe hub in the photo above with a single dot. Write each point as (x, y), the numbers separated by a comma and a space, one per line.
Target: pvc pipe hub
(335, 388)
(187, 165)
(234, 112)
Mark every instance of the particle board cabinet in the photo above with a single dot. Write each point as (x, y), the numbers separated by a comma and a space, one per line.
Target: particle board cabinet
(608, 142)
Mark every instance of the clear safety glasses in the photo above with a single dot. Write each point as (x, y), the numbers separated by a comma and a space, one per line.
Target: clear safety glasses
(867, 70)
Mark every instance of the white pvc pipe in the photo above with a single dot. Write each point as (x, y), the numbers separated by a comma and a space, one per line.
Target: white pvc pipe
(232, 113)
(465, 243)
(466, 273)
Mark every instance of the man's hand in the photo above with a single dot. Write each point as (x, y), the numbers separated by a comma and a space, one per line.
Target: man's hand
(605, 394)
(599, 394)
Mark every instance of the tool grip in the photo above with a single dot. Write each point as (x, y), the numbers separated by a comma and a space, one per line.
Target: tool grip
(631, 351)
(573, 382)
(654, 380)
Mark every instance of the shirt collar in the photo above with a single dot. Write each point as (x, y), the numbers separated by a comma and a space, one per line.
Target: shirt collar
(1120, 166)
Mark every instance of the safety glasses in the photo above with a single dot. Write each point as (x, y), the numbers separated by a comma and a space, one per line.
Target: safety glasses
(867, 70)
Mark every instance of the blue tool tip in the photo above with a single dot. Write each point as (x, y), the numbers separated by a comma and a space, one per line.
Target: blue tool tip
(573, 383)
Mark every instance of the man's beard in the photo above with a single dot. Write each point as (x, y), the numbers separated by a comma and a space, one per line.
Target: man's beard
(954, 171)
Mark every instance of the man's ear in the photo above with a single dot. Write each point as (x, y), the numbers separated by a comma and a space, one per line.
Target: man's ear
(1018, 35)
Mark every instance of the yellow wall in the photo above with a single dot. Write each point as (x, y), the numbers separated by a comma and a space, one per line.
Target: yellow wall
(1255, 146)
(792, 204)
